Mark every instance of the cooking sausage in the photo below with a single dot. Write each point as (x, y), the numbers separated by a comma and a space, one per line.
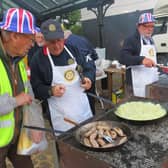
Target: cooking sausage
(108, 145)
(93, 141)
(107, 133)
(104, 127)
(101, 142)
(87, 142)
(100, 133)
(119, 131)
(87, 134)
(113, 134)
(122, 140)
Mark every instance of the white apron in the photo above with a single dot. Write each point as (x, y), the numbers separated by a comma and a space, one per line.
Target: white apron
(141, 75)
(74, 104)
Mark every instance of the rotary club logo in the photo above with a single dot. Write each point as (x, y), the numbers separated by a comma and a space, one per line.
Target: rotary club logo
(69, 75)
(151, 52)
(52, 28)
(70, 61)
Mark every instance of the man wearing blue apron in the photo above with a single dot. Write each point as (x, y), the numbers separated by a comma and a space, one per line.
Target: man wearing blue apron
(54, 78)
(139, 55)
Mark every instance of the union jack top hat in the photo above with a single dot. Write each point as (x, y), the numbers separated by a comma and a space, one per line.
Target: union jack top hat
(19, 20)
(146, 18)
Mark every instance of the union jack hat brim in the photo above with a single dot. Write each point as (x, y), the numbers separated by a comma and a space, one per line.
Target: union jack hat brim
(19, 20)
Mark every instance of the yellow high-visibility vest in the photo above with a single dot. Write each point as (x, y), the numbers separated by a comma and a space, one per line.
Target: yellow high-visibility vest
(7, 121)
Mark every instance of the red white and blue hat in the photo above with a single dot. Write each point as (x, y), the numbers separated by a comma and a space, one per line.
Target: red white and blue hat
(19, 20)
(146, 18)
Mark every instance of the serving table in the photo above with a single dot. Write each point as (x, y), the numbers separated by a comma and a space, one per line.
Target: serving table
(147, 147)
(110, 73)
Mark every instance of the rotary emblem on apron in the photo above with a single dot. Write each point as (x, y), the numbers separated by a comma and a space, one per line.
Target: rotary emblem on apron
(69, 75)
(151, 52)
(70, 61)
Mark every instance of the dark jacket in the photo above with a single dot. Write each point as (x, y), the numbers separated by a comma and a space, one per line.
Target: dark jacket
(41, 71)
(31, 52)
(130, 54)
(84, 46)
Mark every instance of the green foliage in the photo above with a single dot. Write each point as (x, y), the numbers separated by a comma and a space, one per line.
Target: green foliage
(74, 20)
(77, 29)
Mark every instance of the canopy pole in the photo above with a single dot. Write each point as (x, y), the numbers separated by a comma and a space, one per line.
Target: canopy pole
(99, 10)
(1, 13)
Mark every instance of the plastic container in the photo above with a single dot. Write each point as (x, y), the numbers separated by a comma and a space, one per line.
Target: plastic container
(117, 95)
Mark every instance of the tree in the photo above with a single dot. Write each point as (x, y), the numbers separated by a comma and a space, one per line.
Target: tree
(72, 21)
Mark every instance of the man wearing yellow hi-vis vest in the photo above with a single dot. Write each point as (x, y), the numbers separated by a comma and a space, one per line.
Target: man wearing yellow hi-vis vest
(16, 38)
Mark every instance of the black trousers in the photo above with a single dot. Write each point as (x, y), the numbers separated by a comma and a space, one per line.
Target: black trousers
(18, 161)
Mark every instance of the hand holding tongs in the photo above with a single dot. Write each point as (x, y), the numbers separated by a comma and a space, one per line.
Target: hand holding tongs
(79, 69)
(162, 69)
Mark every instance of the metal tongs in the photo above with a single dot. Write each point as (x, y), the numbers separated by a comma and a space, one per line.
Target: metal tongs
(106, 137)
(79, 69)
(163, 69)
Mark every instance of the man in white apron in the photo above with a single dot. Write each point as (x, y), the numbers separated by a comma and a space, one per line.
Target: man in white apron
(139, 55)
(55, 78)
(69, 100)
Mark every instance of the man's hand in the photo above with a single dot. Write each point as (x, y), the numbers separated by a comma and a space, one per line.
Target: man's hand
(23, 99)
(148, 62)
(86, 83)
(58, 90)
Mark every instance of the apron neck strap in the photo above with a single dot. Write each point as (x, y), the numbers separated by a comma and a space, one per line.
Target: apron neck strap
(68, 52)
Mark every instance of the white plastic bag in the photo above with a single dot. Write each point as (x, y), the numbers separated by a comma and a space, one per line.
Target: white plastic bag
(32, 116)
(27, 147)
